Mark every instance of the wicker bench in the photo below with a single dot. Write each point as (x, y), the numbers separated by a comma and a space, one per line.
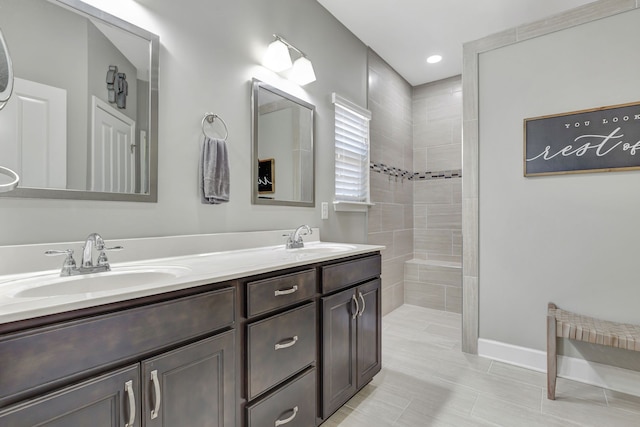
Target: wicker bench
(564, 324)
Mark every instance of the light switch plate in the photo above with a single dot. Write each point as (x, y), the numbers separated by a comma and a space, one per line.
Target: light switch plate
(325, 210)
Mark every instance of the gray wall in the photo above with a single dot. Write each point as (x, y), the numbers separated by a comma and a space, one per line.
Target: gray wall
(391, 219)
(570, 239)
(210, 51)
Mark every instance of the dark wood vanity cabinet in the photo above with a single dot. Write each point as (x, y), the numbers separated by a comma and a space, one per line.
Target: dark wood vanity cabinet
(192, 384)
(351, 353)
(283, 348)
(351, 332)
(186, 386)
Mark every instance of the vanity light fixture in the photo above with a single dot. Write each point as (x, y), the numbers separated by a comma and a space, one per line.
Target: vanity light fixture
(302, 72)
(434, 59)
(278, 59)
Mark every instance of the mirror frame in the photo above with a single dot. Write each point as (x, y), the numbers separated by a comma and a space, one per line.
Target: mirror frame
(255, 199)
(6, 93)
(154, 50)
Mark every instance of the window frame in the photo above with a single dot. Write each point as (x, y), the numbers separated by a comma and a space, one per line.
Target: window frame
(340, 204)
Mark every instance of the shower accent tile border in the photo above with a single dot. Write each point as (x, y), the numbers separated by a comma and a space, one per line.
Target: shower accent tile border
(414, 176)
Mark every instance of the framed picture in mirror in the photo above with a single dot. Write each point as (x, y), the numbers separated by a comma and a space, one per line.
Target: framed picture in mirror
(266, 176)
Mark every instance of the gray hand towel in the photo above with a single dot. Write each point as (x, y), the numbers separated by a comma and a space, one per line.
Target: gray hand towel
(214, 171)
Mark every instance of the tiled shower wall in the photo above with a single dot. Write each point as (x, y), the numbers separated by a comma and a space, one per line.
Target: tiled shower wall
(434, 278)
(437, 144)
(391, 218)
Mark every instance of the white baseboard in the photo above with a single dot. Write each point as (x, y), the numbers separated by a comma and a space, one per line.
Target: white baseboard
(610, 377)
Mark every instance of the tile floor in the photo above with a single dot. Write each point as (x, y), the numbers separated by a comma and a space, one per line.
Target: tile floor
(427, 381)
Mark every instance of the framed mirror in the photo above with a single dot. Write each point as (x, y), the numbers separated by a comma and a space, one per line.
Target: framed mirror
(283, 148)
(6, 72)
(82, 122)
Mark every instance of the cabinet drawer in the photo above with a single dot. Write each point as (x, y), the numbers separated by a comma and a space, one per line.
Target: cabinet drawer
(279, 347)
(344, 274)
(50, 356)
(270, 294)
(294, 405)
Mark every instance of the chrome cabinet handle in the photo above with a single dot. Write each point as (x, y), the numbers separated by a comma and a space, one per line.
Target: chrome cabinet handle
(355, 312)
(128, 387)
(291, 342)
(364, 305)
(286, 291)
(157, 395)
(287, 420)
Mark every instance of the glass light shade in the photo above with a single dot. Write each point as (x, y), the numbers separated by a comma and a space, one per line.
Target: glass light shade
(302, 72)
(277, 57)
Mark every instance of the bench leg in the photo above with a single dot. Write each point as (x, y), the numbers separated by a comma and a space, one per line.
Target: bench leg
(552, 359)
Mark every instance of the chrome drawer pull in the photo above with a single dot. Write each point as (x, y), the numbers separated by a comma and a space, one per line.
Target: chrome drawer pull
(355, 312)
(286, 291)
(291, 342)
(158, 396)
(128, 387)
(363, 305)
(287, 420)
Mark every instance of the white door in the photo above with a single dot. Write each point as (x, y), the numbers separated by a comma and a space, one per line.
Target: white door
(33, 134)
(113, 167)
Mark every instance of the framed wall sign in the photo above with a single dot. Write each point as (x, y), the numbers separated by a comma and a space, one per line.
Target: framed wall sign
(597, 140)
(266, 176)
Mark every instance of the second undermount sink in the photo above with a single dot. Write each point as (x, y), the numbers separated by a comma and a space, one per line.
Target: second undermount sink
(322, 248)
(118, 278)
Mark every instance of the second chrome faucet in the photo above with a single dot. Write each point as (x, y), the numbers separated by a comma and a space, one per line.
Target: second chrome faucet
(295, 238)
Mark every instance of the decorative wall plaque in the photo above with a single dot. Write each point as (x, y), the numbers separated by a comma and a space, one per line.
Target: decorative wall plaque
(597, 140)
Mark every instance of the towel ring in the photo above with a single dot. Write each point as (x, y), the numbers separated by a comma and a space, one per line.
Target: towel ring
(210, 118)
(15, 179)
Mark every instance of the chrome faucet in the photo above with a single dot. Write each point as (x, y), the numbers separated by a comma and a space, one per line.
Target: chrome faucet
(295, 238)
(94, 240)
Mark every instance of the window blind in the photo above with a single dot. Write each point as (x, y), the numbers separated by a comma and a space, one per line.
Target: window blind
(351, 152)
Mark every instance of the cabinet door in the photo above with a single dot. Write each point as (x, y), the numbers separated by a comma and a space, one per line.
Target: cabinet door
(339, 350)
(369, 332)
(111, 400)
(192, 386)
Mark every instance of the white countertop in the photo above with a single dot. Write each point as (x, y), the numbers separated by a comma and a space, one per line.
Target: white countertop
(16, 302)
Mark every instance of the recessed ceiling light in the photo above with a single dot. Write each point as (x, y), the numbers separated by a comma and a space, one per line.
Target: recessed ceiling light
(433, 59)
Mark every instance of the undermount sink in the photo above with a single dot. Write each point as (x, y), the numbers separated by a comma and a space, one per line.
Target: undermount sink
(322, 248)
(118, 278)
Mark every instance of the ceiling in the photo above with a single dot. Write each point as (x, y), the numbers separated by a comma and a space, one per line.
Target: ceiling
(405, 32)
